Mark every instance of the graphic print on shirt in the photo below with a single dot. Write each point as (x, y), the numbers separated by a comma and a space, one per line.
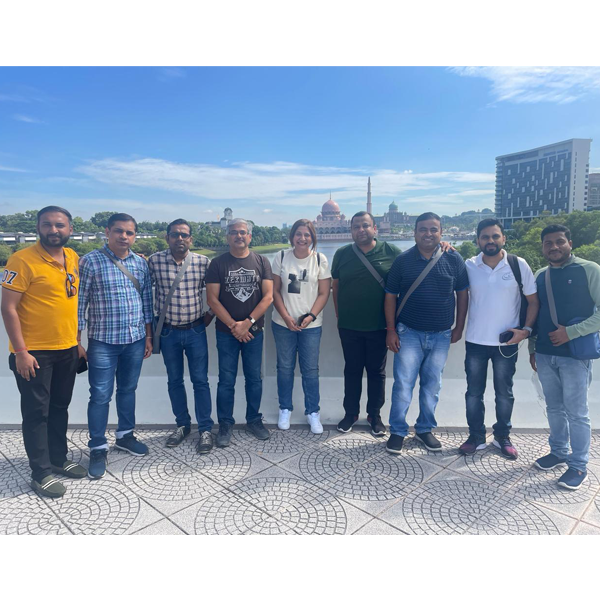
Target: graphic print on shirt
(296, 280)
(241, 283)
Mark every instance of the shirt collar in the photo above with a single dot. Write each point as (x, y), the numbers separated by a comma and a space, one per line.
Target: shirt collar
(421, 257)
(569, 262)
(169, 255)
(503, 261)
(44, 254)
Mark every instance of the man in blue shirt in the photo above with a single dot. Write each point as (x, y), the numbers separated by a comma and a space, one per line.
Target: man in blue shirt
(421, 335)
(118, 304)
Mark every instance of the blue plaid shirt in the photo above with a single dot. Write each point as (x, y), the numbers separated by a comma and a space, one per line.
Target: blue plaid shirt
(116, 312)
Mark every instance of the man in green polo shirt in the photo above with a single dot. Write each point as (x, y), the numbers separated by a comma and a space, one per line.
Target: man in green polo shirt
(358, 297)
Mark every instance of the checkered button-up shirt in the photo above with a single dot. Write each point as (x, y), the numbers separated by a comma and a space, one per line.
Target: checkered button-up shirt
(186, 305)
(116, 312)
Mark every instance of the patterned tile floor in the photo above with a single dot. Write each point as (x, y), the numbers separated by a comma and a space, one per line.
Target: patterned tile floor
(298, 483)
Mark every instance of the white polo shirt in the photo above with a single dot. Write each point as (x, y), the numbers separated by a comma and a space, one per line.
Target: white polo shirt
(494, 299)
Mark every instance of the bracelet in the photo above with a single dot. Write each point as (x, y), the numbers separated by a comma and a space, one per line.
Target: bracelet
(20, 350)
(313, 316)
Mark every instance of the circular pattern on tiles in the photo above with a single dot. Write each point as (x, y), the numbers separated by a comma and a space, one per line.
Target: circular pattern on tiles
(280, 442)
(541, 486)
(11, 483)
(100, 507)
(361, 469)
(28, 515)
(492, 467)
(273, 505)
(162, 477)
(453, 507)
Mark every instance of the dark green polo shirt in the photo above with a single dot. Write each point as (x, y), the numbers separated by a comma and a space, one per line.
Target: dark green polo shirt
(360, 297)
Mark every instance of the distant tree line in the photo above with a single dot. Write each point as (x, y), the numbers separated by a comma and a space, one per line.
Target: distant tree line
(525, 241)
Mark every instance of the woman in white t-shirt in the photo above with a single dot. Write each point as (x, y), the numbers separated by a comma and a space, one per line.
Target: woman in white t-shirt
(301, 285)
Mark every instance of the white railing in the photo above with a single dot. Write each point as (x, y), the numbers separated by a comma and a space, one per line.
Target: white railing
(153, 406)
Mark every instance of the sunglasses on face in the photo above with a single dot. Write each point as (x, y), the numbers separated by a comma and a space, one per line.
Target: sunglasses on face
(179, 234)
(71, 289)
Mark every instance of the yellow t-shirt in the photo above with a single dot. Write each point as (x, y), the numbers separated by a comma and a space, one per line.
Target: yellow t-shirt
(47, 313)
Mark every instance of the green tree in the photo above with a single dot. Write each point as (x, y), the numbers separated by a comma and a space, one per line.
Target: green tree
(5, 252)
(589, 252)
(468, 250)
(100, 219)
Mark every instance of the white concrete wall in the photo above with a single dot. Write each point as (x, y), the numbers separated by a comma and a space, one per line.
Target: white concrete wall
(153, 406)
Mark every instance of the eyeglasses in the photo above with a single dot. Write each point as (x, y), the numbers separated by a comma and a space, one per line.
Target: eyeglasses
(179, 234)
(235, 233)
(71, 289)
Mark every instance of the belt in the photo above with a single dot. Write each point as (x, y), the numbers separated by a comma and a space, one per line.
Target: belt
(186, 326)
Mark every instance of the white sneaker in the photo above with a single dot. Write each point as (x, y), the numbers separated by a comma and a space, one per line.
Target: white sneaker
(314, 420)
(284, 418)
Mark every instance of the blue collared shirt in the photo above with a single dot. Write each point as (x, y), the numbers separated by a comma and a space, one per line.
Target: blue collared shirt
(116, 313)
(431, 306)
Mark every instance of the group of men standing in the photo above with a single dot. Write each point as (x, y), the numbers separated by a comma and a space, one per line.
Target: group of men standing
(406, 303)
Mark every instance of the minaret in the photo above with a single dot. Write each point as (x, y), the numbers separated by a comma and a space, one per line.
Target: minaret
(369, 205)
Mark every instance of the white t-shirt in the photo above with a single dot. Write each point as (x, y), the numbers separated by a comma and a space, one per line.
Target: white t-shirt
(299, 284)
(494, 299)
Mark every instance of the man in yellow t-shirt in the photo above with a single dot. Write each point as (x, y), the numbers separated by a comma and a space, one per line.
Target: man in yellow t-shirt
(39, 308)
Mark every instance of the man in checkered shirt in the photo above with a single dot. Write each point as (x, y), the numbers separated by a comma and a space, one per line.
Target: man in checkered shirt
(184, 331)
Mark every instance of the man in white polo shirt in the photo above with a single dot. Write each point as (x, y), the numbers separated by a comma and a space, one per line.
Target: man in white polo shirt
(495, 307)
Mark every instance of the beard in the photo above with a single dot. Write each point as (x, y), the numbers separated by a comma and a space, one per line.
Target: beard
(54, 241)
(491, 251)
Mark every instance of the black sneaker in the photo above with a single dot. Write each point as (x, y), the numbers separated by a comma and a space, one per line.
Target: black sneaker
(471, 445)
(205, 444)
(258, 430)
(345, 425)
(394, 444)
(97, 466)
(572, 479)
(429, 441)
(129, 443)
(224, 435)
(377, 427)
(549, 462)
(506, 448)
(178, 436)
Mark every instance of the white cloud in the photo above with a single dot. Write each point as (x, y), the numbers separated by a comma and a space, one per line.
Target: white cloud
(26, 119)
(280, 183)
(12, 169)
(594, 169)
(527, 85)
(169, 73)
(24, 94)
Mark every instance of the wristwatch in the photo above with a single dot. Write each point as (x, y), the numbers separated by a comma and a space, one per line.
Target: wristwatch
(529, 330)
(251, 320)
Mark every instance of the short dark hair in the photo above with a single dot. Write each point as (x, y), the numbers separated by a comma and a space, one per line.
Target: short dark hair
(59, 209)
(178, 222)
(120, 217)
(309, 225)
(489, 223)
(427, 217)
(362, 213)
(556, 228)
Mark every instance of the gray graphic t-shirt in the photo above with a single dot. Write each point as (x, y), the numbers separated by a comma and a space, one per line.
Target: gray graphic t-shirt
(241, 284)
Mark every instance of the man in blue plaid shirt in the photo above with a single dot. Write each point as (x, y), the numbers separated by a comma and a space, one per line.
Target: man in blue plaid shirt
(184, 330)
(119, 322)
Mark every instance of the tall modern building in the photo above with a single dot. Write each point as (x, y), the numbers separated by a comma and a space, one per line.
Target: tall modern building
(551, 179)
(594, 192)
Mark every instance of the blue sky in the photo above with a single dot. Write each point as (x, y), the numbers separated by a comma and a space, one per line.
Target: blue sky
(271, 143)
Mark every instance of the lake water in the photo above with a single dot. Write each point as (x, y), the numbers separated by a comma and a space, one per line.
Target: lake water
(328, 248)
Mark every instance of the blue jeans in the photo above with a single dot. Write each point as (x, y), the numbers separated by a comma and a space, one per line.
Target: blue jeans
(306, 345)
(565, 382)
(476, 364)
(104, 360)
(229, 351)
(173, 344)
(423, 354)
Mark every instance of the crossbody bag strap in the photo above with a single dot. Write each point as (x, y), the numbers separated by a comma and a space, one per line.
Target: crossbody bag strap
(550, 294)
(417, 282)
(123, 270)
(370, 267)
(163, 313)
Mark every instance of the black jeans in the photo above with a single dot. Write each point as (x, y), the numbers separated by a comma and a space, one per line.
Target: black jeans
(476, 364)
(364, 350)
(45, 399)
